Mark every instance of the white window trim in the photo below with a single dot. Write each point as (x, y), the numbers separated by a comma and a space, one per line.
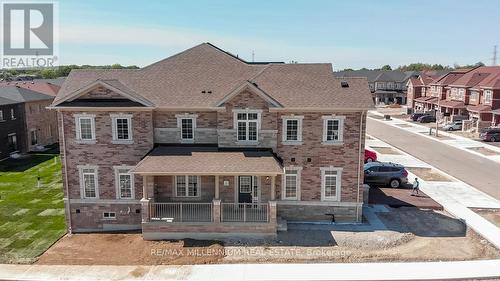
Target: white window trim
(78, 128)
(235, 124)
(115, 140)
(1, 116)
(109, 218)
(198, 193)
(489, 93)
(12, 114)
(96, 175)
(323, 182)
(299, 180)
(341, 119)
(284, 129)
(117, 181)
(179, 125)
(31, 137)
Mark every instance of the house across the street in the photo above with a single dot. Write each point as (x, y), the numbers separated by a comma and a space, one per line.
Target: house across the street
(204, 145)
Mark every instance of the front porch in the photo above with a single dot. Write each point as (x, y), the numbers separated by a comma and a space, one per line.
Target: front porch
(231, 194)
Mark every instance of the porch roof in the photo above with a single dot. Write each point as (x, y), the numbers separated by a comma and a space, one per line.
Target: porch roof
(480, 108)
(452, 104)
(170, 160)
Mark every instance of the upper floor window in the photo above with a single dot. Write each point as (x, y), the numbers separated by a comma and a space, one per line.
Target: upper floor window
(247, 123)
(488, 96)
(474, 96)
(291, 183)
(333, 127)
(187, 125)
(380, 85)
(187, 186)
(88, 182)
(12, 114)
(292, 129)
(85, 127)
(122, 128)
(1, 116)
(124, 182)
(331, 179)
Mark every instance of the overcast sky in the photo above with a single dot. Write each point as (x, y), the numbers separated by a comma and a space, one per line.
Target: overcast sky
(349, 34)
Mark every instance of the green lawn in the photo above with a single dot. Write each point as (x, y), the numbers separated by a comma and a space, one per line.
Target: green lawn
(31, 217)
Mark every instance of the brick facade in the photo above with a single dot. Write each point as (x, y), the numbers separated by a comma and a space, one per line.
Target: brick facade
(41, 120)
(311, 156)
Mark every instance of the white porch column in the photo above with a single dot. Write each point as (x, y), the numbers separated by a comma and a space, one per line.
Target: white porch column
(217, 187)
(145, 186)
(273, 188)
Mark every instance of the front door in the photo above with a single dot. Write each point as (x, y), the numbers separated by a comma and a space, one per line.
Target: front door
(245, 189)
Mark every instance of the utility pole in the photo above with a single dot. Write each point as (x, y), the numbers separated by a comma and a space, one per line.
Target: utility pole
(494, 55)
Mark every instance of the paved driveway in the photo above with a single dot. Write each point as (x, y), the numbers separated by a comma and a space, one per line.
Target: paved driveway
(477, 171)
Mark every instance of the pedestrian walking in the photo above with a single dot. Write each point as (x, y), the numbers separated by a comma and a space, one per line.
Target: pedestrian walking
(415, 188)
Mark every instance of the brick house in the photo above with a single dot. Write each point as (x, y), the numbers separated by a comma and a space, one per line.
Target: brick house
(470, 93)
(205, 145)
(25, 122)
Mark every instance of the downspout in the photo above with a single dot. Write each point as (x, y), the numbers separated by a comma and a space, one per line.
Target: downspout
(359, 163)
(68, 206)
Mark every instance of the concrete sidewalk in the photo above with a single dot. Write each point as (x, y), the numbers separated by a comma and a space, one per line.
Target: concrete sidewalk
(453, 140)
(352, 271)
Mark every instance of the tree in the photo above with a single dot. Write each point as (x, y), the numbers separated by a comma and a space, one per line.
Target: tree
(386, 67)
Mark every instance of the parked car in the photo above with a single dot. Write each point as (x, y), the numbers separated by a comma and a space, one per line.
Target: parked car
(490, 134)
(385, 174)
(370, 156)
(417, 115)
(426, 119)
(453, 126)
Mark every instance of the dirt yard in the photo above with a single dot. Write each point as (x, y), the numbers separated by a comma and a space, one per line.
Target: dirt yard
(492, 215)
(385, 150)
(484, 151)
(428, 174)
(409, 234)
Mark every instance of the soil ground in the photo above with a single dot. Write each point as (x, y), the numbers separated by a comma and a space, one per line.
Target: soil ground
(484, 151)
(409, 234)
(428, 174)
(492, 215)
(386, 150)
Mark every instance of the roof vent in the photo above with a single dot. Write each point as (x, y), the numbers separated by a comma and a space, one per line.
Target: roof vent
(209, 92)
(255, 84)
(344, 84)
(203, 92)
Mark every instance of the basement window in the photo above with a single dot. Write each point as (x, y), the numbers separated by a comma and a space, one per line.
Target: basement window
(109, 215)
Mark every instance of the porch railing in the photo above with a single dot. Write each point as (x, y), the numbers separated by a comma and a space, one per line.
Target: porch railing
(244, 212)
(181, 212)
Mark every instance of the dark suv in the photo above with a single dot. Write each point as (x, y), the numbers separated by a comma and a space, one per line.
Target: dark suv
(385, 174)
(426, 119)
(417, 115)
(490, 134)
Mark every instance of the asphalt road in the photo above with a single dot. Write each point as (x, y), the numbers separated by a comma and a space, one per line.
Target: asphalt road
(477, 171)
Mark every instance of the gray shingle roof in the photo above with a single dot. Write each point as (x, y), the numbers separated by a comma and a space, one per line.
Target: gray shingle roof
(178, 81)
(13, 94)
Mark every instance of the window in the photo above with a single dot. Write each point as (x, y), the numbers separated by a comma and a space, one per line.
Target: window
(292, 129)
(247, 123)
(124, 182)
(34, 138)
(333, 129)
(85, 127)
(1, 116)
(291, 183)
(88, 182)
(187, 186)
(12, 114)
(12, 140)
(488, 96)
(109, 215)
(330, 183)
(187, 125)
(122, 124)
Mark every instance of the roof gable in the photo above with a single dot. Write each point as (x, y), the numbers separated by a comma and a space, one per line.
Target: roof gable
(252, 87)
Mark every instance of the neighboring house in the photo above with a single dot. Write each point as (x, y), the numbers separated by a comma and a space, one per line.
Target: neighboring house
(473, 94)
(422, 97)
(204, 144)
(387, 86)
(25, 121)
